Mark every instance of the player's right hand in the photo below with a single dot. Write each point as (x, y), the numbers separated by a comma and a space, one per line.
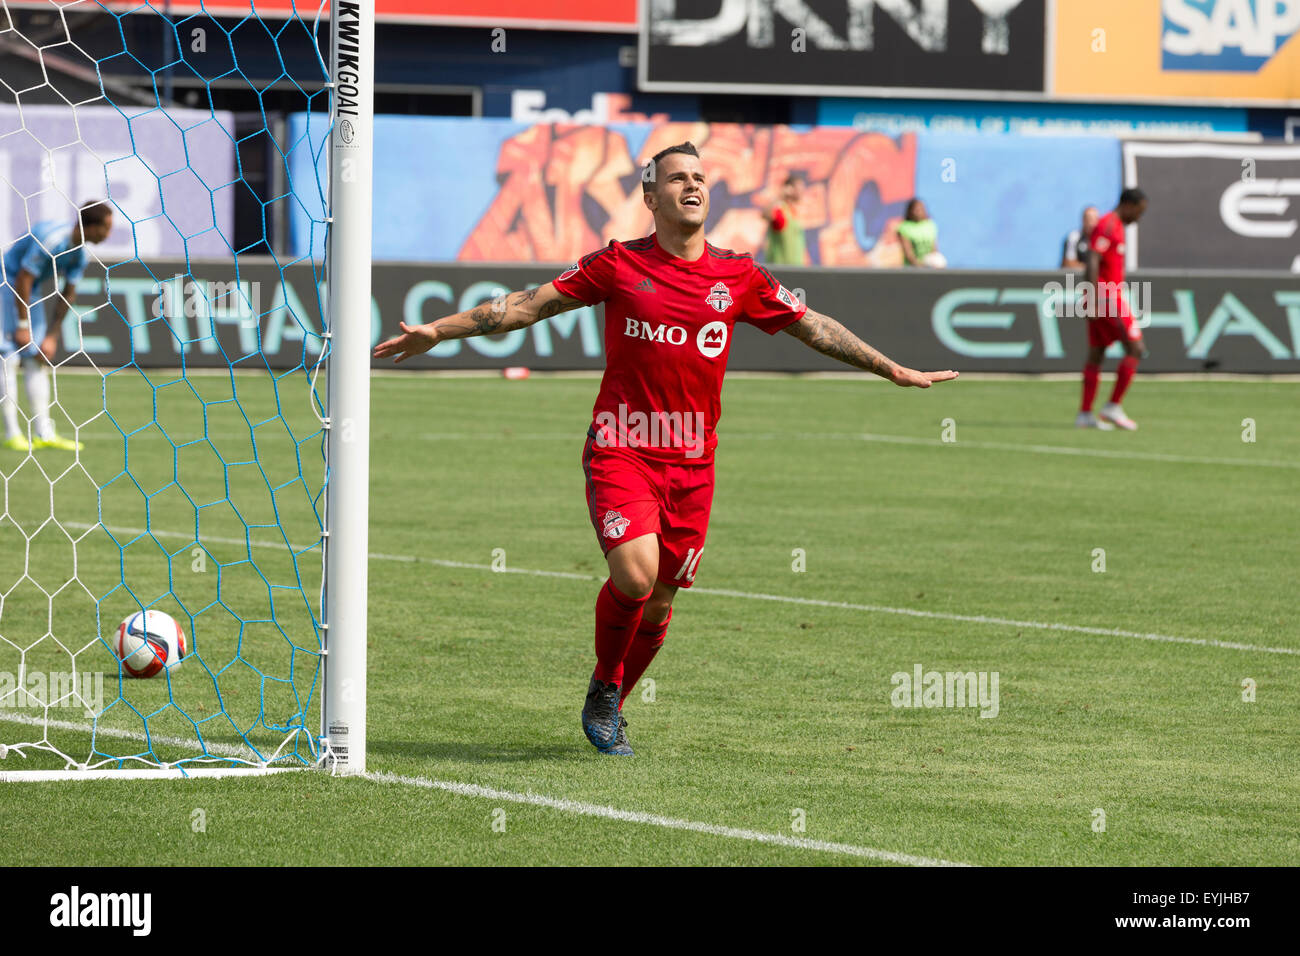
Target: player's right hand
(22, 337)
(414, 340)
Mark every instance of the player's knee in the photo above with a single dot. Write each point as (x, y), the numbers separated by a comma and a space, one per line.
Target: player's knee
(634, 581)
(657, 609)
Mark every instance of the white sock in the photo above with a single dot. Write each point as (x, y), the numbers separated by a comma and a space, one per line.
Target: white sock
(9, 394)
(36, 382)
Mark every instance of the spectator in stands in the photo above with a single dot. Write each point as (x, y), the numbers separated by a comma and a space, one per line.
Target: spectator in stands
(919, 236)
(1077, 243)
(785, 241)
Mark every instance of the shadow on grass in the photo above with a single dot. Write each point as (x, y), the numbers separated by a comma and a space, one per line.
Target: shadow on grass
(479, 752)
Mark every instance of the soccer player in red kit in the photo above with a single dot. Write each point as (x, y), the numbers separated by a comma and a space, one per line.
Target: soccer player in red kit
(671, 304)
(1111, 320)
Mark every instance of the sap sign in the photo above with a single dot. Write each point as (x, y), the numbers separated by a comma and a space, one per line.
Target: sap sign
(1237, 36)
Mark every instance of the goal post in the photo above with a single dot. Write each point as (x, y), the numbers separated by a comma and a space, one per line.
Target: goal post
(210, 385)
(352, 45)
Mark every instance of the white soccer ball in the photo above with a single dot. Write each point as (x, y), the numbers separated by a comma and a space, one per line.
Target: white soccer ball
(149, 642)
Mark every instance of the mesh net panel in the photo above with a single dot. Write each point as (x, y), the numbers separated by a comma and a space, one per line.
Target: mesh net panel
(198, 489)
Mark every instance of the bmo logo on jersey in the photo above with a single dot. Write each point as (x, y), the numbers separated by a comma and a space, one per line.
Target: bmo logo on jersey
(663, 334)
(1238, 36)
(711, 340)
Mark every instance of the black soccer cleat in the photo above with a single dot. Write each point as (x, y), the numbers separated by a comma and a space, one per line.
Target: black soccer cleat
(620, 747)
(600, 716)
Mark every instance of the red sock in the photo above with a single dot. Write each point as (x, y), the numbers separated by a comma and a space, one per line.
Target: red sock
(1091, 376)
(617, 617)
(1128, 366)
(645, 645)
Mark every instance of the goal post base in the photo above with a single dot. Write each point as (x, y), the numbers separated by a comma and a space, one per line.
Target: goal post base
(152, 773)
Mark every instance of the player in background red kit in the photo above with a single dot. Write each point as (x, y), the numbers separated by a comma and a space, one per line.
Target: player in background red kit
(671, 303)
(1111, 319)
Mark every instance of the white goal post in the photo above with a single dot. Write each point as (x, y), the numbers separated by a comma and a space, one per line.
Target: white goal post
(352, 64)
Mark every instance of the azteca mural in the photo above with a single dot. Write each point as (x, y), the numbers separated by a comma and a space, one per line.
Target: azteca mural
(564, 190)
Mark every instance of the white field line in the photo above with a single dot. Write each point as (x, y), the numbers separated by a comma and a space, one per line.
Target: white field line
(730, 438)
(654, 820)
(1080, 452)
(1037, 449)
(777, 598)
(461, 789)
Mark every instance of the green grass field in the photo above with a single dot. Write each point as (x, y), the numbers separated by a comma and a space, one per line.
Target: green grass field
(772, 697)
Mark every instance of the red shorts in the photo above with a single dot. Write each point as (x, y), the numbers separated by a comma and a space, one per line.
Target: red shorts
(629, 495)
(1123, 327)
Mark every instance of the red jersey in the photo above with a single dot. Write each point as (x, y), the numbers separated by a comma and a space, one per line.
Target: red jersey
(668, 327)
(1108, 241)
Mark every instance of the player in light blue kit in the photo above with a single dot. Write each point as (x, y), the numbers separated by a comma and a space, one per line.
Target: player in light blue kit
(50, 251)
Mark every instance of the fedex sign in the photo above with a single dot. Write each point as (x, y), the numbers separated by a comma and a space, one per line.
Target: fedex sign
(1237, 36)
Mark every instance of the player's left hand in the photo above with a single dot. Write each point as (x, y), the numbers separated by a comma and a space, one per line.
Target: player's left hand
(49, 345)
(910, 377)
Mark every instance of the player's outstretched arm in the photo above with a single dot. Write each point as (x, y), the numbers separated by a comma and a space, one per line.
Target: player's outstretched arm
(505, 313)
(827, 336)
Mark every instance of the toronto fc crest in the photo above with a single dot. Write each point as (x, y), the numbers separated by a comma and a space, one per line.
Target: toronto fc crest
(615, 524)
(719, 297)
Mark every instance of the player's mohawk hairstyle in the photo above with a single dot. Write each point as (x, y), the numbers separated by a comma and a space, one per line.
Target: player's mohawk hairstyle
(650, 172)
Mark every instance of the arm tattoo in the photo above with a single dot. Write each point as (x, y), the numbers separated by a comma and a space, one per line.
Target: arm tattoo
(506, 313)
(555, 307)
(485, 319)
(827, 336)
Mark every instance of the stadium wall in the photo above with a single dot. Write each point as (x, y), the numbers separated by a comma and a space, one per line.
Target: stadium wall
(506, 191)
(972, 321)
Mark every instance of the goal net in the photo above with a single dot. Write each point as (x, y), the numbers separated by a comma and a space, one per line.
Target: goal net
(187, 432)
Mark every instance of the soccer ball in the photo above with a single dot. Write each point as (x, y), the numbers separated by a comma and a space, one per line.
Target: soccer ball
(150, 642)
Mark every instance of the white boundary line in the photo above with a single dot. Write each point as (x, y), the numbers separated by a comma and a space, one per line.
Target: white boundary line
(460, 789)
(778, 598)
(654, 820)
(1081, 452)
(1036, 449)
